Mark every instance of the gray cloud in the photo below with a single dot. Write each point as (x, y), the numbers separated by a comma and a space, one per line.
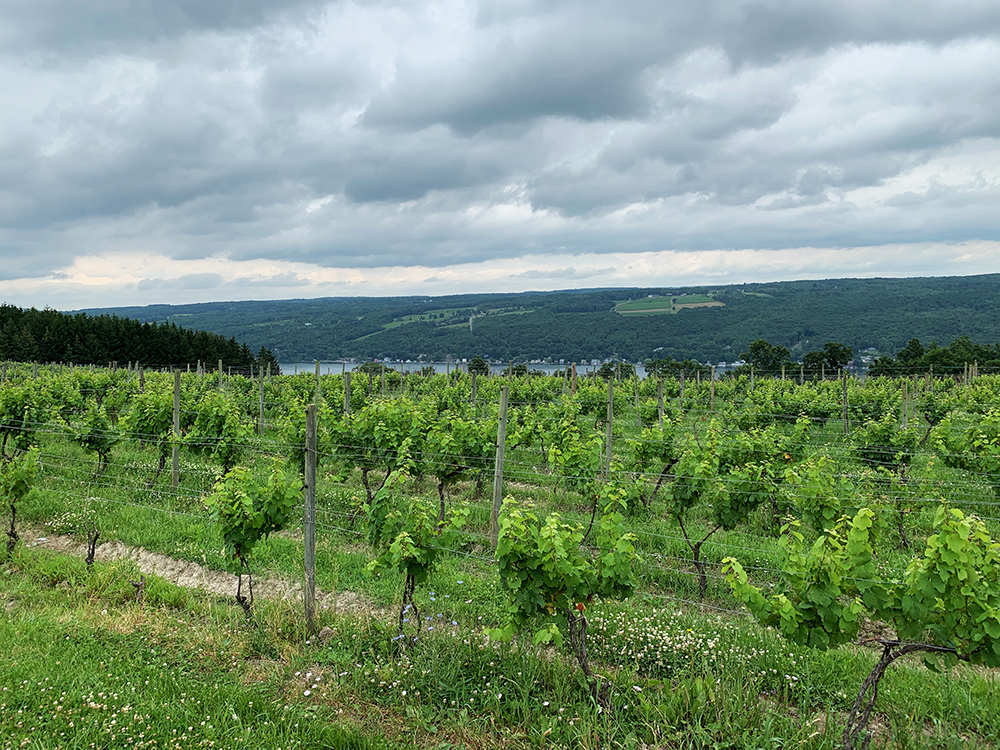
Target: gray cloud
(61, 27)
(404, 133)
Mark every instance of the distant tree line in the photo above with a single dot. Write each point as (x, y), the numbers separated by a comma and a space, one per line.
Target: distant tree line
(51, 336)
(766, 358)
(915, 358)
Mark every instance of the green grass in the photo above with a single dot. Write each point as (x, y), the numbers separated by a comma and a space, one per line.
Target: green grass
(87, 664)
(681, 676)
(693, 299)
(432, 316)
(659, 305)
(645, 305)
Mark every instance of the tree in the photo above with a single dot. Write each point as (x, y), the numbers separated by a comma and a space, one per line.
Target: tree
(265, 358)
(830, 358)
(814, 363)
(479, 366)
(518, 370)
(911, 353)
(373, 368)
(765, 357)
(836, 355)
(884, 366)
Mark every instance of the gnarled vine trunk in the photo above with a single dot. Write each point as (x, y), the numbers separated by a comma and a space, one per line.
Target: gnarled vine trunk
(243, 601)
(12, 536)
(856, 736)
(409, 606)
(577, 622)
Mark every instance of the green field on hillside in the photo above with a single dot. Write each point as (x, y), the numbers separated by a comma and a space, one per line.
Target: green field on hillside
(660, 305)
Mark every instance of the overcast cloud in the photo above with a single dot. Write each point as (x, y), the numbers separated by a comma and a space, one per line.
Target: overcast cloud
(191, 150)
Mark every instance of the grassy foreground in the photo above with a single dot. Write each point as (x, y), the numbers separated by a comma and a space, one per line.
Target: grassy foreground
(86, 666)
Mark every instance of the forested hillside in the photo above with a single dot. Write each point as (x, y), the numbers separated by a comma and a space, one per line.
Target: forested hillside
(51, 336)
(802, 315)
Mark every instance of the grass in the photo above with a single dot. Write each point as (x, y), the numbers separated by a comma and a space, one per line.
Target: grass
(88, 667)
(658, 305)
(441, 315)
(645, 305)
(87, 664)
(682, 675)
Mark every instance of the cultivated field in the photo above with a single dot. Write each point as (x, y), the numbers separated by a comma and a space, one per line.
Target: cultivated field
(427, 632)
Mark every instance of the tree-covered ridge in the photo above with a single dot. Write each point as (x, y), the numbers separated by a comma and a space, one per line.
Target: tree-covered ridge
(880, 314)
(51, 336)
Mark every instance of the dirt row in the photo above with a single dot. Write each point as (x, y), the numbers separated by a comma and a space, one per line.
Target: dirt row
(190, 574)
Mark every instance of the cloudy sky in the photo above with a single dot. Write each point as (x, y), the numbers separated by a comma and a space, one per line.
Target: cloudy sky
(197, 150)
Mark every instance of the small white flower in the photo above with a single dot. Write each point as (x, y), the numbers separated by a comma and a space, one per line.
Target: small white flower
(306, 692)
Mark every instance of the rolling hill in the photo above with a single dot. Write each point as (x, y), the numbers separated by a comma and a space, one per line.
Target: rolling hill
(715, 323)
